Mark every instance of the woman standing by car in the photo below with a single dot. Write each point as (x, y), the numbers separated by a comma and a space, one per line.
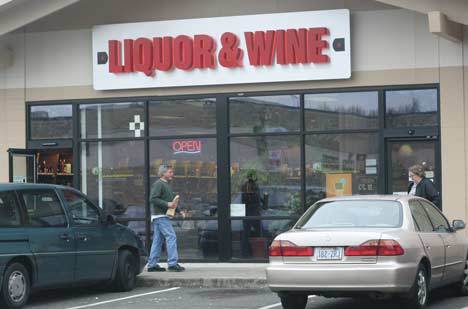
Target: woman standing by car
(421, 186)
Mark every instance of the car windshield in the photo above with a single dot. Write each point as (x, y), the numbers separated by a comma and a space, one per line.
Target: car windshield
(352, 214)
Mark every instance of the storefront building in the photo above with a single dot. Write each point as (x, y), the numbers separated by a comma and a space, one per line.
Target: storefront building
(309, 101)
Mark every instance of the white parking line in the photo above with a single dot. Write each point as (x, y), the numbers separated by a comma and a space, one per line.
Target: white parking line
(279, 304)
(123, 298)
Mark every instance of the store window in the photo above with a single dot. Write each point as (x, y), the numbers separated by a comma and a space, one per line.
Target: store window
(265, 176)
(112, 120)
(251, 238)
(182, 117)
(196, 239)
(340, 111)
(112, 176)
(411, 108)
(264, 114)
(51, 121)
(195, 172)
(341, 164)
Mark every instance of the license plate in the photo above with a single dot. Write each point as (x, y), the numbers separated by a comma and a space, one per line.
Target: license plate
(329, 253)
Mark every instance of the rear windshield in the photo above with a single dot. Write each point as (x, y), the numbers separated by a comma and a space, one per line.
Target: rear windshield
(352, 214)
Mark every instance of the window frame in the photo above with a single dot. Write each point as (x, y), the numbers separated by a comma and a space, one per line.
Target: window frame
(416, 203)
(426, 205)
(88, 202)
(19, 207)
(223, 135)
(42, 139)
(28, 223)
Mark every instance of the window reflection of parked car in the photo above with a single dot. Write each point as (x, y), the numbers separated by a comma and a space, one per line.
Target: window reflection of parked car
(131, 212)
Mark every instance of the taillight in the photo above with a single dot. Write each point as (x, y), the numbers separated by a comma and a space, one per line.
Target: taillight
(287, 248)
(383, 247)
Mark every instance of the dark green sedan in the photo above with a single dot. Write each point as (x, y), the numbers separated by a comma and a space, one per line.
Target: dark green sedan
(53, 236)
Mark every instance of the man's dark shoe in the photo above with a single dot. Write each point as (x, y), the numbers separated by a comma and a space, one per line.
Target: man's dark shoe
(176, 267)
(156, 268)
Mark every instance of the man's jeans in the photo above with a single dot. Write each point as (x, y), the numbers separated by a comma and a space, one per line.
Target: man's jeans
(162, 229)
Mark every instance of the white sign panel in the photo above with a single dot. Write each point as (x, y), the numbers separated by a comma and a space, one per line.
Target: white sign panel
(223, 50)
(237, 210)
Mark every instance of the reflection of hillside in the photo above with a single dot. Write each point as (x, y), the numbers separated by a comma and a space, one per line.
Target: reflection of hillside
(194, 116)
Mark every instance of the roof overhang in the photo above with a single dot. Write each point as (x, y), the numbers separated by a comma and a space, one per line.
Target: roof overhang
(15, 14)
(446, 18)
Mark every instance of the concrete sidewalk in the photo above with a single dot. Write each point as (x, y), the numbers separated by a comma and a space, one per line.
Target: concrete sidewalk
(208, 275)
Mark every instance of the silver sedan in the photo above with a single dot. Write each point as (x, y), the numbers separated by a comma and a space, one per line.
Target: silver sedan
(377, 246)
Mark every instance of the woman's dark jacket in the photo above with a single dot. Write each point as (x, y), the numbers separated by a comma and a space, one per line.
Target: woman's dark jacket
(426, 189)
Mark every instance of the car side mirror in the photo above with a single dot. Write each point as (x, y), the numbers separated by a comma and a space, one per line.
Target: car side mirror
(458, 225)
(109, 219)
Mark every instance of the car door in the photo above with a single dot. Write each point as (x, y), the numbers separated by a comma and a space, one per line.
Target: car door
(95, 245)
(13, 239)
(50, 237)
(431, 240)
(454, 252)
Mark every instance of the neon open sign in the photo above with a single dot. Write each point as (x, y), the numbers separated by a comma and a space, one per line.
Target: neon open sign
(187, 146)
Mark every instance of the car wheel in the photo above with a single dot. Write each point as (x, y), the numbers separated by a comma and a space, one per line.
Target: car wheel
(418, 296)
(16, 287)
(294, 301)
(125, 278)
(463, 285)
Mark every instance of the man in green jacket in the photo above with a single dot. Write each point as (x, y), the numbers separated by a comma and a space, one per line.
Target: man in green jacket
(161, 199)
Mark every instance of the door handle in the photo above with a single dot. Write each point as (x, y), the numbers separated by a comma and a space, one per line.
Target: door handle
(82, 237)
(65, 237)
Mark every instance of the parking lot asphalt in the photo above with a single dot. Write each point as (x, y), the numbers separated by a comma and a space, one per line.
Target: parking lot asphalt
(198, 298)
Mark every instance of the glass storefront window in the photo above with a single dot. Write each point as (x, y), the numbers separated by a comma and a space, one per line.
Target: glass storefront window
(195, 174)
(51, 121)
(251, 238)
(341, 164)
(342, 110)
(264, 114)
(266, 175)
(112, 120)
(182, 117)
(411, 108)
(112, 175)
(196, 239)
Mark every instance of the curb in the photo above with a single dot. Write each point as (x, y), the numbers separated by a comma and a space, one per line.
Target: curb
(229, 283)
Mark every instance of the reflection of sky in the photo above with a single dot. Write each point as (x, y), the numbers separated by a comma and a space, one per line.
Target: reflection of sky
(53, 111)
(398, 101)
(366, 102)
(284, 100)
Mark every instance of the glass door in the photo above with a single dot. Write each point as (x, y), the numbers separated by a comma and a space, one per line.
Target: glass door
(22, 166)
(402, 154)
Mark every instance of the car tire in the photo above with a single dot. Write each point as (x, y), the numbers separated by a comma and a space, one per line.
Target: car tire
(418, 296)
(294, 301)
(462, 287)
(16, 287)
(125, 277)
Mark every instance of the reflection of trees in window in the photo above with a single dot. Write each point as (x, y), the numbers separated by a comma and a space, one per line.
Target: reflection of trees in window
(264, 114)
(411, 108)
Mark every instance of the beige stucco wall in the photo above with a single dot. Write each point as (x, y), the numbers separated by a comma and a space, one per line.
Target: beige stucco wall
(390, 47)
